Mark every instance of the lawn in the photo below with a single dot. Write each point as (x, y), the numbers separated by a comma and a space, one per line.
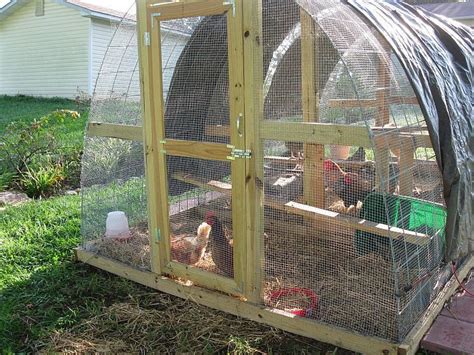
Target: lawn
(50, 303)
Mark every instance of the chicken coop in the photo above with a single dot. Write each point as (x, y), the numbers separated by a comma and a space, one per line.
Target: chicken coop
(287, 161)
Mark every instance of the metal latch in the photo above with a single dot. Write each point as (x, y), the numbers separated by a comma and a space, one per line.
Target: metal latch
(240, 153)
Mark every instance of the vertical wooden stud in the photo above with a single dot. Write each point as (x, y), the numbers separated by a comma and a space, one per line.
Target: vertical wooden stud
(407, 161)
(383, 116)
(162, 234)
(237, 138)
(253, 79)
(313, 178)
(149, 136)
(153, 133)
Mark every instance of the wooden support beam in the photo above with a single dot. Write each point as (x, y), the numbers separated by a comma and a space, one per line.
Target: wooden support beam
(195, 149)
(314, 132)
(411, 342)
(154, 162)
(211, 185)
(360, 224)
(238, 307)
(217, 131)
(203, 278)
(127, 132)
(176, 10)
(368, 103)
(407, 161)
(237, 138)
(159, 178)
(313, 179)
(252, 34)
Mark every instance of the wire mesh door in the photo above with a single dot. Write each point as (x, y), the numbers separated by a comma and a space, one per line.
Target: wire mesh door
(200, 144)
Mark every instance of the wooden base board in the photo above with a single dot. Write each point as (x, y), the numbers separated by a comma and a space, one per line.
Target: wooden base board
(276, 318)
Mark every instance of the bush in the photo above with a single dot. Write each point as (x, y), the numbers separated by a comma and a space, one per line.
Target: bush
(34, 160)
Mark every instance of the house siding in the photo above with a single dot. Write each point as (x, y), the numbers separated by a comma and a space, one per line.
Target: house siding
(102, 32)
(44, 55)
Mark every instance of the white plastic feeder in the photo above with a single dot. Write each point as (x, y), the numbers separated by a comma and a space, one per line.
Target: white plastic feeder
(116, 225)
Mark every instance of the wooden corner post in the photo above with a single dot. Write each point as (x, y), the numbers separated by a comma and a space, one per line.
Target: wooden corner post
(253, 84)
(313, 183)
(153, 133)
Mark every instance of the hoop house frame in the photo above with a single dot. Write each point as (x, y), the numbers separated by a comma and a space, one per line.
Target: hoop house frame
(246, 144)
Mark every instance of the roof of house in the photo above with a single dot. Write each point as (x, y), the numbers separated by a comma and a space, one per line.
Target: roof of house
(454, 10)
(87, 9)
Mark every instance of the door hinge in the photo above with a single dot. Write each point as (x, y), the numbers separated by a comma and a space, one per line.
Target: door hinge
(146, 38)
(240, 153)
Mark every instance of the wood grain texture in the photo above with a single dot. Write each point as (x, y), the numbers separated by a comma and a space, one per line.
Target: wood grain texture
(314, 132)
(279, 319)
(357, 223)
(127, 132)
(199, 150)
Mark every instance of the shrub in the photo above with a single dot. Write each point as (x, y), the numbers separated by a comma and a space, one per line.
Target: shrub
(32, 157)
(23, 143)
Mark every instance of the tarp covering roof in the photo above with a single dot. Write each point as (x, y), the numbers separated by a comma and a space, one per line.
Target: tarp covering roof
(437, 57)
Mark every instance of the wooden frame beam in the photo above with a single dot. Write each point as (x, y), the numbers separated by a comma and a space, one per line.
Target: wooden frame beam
(127, 132)
(410, 344)
(337, 219)
(279, 319)
(371, 103)
(175, 10)
(313, 179)
(203, 278)
(154, 162)
(195, 149)
(313, 132)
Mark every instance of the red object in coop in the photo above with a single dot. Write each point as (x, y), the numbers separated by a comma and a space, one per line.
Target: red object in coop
(284, 292)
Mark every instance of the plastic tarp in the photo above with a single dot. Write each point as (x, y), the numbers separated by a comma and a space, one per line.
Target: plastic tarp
(436, 54)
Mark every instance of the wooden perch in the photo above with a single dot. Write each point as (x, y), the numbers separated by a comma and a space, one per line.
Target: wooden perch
(337, 219)
(109, 130)
(212, 184)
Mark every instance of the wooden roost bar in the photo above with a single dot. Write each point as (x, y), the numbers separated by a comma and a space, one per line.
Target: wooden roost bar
(238, 144)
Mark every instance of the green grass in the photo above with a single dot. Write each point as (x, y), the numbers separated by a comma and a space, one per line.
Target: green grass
(26, 108)
(50, 303)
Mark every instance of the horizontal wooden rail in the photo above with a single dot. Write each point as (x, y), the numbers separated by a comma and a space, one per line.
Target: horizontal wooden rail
(356, 103)
(109, 130)
(396, 139)
(332, 218)
(337, 219)
(176, 10)
(280, 319)
(321, 133)
(203, 278)
(217, 131)
(196, 149)
(212, 185)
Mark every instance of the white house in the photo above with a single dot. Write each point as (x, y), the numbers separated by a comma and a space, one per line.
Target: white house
(56, 47)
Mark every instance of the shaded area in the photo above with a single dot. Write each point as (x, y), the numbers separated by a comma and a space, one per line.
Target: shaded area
(438, 62)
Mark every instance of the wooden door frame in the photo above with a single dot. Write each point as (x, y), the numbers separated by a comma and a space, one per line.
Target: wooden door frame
(156, 145)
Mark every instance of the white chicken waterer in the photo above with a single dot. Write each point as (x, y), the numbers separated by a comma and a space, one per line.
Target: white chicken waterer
(116, 225)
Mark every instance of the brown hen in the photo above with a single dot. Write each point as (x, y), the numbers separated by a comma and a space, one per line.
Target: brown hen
(189, 249)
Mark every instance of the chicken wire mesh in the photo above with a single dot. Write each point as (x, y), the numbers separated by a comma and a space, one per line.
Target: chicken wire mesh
(373, 284)
(323, 270)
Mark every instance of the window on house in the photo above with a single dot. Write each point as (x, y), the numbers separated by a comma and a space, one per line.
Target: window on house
(39, 8)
